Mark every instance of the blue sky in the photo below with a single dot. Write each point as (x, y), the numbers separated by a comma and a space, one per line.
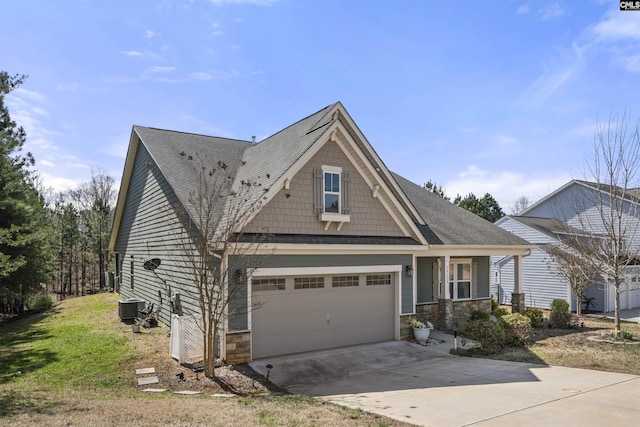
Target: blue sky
(491, 96)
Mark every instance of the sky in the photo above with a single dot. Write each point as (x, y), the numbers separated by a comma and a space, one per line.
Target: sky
(499, 97)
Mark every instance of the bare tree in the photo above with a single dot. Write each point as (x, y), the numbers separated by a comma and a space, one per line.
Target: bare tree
(576, 269)
(608, 209)
(520, 204)
(220, 257)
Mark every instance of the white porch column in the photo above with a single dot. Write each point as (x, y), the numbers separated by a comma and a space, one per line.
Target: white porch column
(444, 277)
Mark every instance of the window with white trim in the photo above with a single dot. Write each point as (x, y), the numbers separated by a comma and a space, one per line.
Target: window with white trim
(344, 281)
(331, 192)
(460, 279)
(268, 284)
(378, 279)
(308, 282)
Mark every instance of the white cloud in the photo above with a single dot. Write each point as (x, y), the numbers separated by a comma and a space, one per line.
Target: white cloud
(131, 53)
(619, 26)
(159, 69)
(46, 163)
(553, 77)
(217, 33)
(550, 11)
(505, 140)
(26, 110)
(505, 186)
(523, 9)
(150, 34)
(619, 35)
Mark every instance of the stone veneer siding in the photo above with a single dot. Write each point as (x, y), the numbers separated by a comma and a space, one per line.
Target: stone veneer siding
(462, 309)
(458, 312)
(238, 347)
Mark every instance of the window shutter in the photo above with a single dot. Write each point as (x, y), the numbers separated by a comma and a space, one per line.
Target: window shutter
(345, 193)
(474, 280)
(317, 191)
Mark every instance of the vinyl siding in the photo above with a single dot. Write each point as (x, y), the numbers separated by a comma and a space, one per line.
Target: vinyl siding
(150, 229)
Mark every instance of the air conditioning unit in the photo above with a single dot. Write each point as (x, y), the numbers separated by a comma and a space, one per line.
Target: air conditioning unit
(128, 308)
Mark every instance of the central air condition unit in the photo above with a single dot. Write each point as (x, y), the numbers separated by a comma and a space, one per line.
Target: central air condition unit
(128, 308)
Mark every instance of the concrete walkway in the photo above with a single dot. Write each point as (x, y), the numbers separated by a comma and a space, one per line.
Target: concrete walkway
(629, 315)
(428, 386)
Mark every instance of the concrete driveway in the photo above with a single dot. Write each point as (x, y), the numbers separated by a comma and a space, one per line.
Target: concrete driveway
(428, 386)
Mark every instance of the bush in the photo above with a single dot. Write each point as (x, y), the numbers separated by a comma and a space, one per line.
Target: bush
(41, 302)
(626, 335)
(499, 312)
(494, 305)
(518, 329)
(534, 314)
(479, 315)
(560, 316)
(489, 334)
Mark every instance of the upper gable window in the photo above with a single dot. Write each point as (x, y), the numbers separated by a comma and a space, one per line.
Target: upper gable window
(331, 196)
(332, 190)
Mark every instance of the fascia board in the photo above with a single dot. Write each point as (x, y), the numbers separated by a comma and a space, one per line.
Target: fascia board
(134, 142)
(385, 171)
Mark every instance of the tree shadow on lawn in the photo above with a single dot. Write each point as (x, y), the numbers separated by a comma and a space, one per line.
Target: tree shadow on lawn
(17, 356)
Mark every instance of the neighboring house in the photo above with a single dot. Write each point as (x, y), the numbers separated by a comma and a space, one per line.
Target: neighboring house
(544, 224)
(338, 275)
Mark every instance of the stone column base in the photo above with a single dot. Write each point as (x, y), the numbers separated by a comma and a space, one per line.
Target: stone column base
(517, 302)
(445, 314)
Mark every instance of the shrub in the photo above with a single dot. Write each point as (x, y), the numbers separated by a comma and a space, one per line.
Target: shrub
(489, 334)
(626, 335)
(534, 314)
(499, 312)
(41, 302)
(560, 316)
(494, 305)
(518, 329)
(479, 315)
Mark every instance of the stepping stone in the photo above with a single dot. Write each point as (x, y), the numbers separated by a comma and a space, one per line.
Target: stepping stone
(148, 380)
(223, 395)
(154, 390)
(187, 392)
(145, 371)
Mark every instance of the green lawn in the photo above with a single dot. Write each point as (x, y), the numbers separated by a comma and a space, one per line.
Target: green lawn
(70, 348)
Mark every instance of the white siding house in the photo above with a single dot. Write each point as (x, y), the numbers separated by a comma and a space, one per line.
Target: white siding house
(573, 206)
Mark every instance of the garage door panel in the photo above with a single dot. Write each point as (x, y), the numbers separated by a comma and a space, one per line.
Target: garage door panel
(298, 320)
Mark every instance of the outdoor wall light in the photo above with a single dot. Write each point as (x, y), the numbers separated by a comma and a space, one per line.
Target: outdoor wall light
(409, 271)
(239, 277)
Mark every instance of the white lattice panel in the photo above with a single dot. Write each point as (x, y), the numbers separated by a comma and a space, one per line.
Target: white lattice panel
(186, 339)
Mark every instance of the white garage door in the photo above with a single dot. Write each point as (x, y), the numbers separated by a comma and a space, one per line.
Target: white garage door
(306, 312)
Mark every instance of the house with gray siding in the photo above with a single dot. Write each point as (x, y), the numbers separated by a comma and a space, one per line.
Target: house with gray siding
(544, 224)
(352, 252)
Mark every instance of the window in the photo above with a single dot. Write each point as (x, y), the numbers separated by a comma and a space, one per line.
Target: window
(308, 282)
(460, 279)
(132, 267)
(378, 279)
(331, 192)
(344, 281)
(268, 284)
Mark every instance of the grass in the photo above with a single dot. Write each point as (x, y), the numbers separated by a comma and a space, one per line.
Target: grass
(76, 366)
(580, 347)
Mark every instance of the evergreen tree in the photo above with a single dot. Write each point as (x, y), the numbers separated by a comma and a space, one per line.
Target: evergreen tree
(25, 236)
(487, 207)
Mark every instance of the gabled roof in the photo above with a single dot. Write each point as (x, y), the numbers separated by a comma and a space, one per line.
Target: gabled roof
(629, 194)
(448, 224)
(548, 226)
(427, 218)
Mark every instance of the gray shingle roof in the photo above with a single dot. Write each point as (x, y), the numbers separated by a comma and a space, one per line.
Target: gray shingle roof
(449, 224)
(550, 227)
(165, 147)
(270, 159)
